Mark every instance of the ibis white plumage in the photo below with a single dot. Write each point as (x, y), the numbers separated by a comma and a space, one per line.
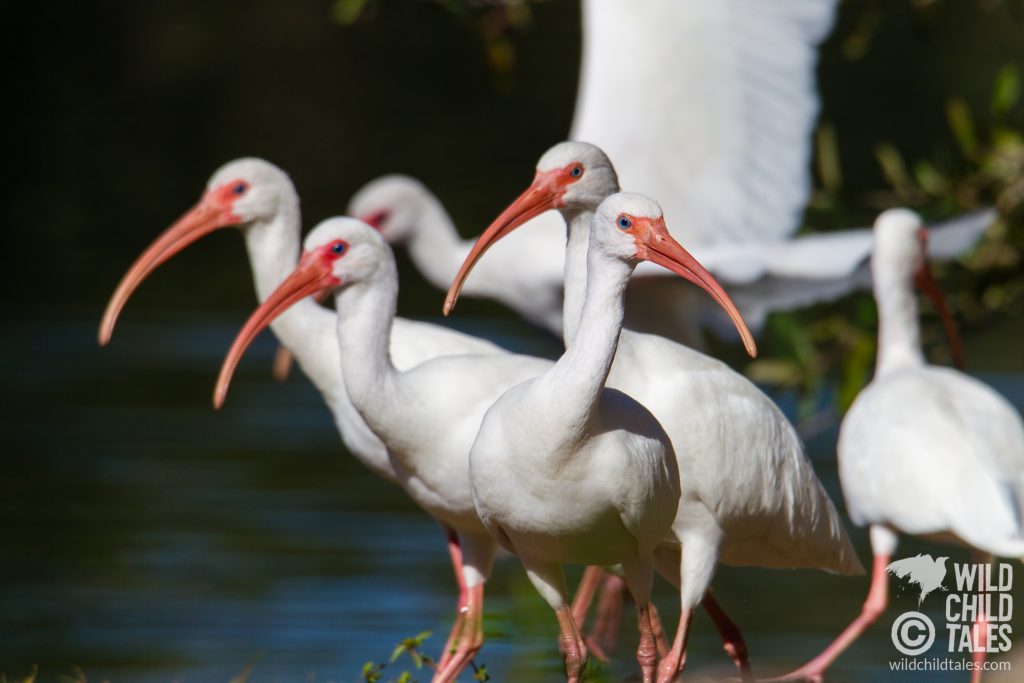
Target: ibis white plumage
(566, 471)
(427, 416)
(750, 495)
(924, 450)
(260, 200)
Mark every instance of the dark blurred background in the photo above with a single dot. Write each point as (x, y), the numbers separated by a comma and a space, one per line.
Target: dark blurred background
(143, 537)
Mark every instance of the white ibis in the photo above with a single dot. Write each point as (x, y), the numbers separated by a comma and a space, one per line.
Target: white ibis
(528, 279)
(427, 416)
(750, 494)
(566, 471)
(924, 450)
(723, 139)
(259, 199)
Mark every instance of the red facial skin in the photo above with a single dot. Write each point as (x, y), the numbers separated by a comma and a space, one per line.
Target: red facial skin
(313, 275)
(655, 244)
(213, 211)
(376, 220)
(546, 192)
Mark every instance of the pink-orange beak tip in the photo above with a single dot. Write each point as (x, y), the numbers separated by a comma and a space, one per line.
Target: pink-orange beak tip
(106, 330)
(219, 395)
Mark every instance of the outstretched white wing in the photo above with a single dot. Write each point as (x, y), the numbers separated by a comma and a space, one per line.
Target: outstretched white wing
(810, 269)
(706, 106)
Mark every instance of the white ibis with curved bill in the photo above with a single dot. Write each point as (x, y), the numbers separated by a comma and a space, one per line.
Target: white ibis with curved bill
(750, 494)
(260, 200)
(427, 416)
(924, 450)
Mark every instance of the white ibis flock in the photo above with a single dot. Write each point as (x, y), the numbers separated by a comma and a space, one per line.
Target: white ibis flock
(633, 453)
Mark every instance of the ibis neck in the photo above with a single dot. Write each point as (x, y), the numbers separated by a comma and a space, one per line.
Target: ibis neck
(899, 338)
(366, 311)
(434, 245)
(306, 329)
(577, 379)
(577, 223)
(274, 248)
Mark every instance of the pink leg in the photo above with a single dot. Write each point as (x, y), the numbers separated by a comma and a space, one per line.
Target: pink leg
(282, 364)
(878, 597)
(455, 551)
(572, 645)
(659, 632)
(672, 665)
(980, 627)
(646, 650)
(581, 605)
(732, 639)
(468, 641)
(585, 594)
(609, 613)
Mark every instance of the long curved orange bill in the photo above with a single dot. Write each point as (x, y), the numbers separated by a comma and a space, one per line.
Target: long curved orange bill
(656, 245)
(926, 282)
(541, 196)
(312, 275)
(200, 220)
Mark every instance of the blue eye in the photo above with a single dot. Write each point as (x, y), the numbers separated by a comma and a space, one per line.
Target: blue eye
(339, 247)
(239, 188)
(624, 223)
(576, 171)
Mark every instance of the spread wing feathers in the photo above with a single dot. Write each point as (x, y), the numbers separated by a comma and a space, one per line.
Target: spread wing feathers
(813, 268)
(729, 102)
(932, 451)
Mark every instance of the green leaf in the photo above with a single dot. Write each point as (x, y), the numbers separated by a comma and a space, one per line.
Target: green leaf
(347, 12)
(399, 649)
(829, 166)
(962, 124)
(1006, 90)
(404, 678)
(371, 672)
(776, 371)
(856, 368)
(519, 14)
(930, 179)
(893, 168)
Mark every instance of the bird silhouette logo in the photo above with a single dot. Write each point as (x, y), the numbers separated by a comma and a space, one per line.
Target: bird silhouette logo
(921, 571)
